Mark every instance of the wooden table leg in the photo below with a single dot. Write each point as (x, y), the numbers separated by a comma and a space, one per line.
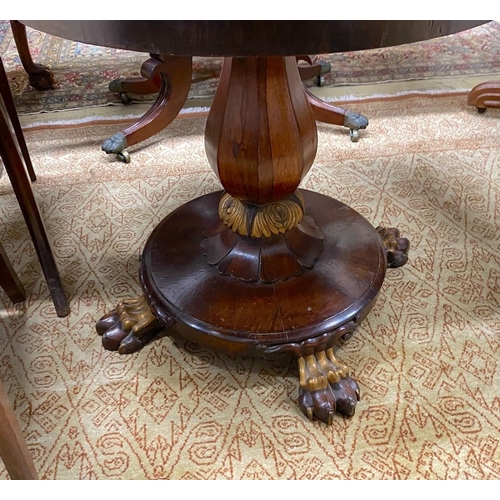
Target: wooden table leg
(40, 77)
(328, 113)
(485, 95)
(173, 76)
(262, 268)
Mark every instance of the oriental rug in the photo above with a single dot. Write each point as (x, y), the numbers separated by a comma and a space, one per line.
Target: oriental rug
(426, 358)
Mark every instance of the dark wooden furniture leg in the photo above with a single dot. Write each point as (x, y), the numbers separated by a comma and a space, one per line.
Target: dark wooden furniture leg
(16, 170)
(485, 95)
(173, 76)
(13, 449)
(40, 77)
(262, 268)
(11, 110)
(9, 280)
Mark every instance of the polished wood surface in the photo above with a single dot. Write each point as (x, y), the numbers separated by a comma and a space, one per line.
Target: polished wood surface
(248, 38)
(172, 78)
(261, 135)
(485, 95)
(15, 166)
(343, 283)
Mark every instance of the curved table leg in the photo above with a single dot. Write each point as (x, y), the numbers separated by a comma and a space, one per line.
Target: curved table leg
(315, 68)
(136, 85)
(40, 77)
(327, 113)
(174, 77)
(485, 95)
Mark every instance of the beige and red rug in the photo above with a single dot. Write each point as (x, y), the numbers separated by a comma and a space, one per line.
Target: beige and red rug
(426, 358)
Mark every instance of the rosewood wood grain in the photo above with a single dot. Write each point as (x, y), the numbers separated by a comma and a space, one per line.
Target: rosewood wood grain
(260, 135)
(242, 38)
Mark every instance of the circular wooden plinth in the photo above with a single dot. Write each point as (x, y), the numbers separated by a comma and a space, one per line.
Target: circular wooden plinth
(222, 312)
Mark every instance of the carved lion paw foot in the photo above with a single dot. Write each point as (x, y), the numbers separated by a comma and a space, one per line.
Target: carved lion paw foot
(396, 247)
(355, 121)
(129, 327)
(115, 144)
(326, 387)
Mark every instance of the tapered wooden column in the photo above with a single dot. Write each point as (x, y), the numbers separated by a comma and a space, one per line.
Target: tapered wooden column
(261, 135)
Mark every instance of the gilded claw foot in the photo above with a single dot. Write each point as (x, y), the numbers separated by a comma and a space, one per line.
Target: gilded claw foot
(129, 327)
(326, 387)
(396, 247)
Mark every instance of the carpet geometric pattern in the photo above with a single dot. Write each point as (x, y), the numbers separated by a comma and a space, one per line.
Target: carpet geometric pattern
(426, 357)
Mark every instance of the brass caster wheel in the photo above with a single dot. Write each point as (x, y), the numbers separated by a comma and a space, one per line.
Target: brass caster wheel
(125, 98)
(124, 156)
(354, 135)
(481, 110)
(320, 80)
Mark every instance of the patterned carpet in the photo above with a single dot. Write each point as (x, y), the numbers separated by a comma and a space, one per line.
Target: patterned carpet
(83, 72)
(426, 357)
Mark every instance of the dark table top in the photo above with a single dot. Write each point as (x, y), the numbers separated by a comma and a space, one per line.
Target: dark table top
(248, 38)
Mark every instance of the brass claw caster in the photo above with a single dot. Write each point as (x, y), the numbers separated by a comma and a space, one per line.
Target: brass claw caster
(354, 135)
(125, 99)
(123, 156)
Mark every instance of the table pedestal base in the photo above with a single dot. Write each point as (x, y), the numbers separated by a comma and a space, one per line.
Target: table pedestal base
(304, 315)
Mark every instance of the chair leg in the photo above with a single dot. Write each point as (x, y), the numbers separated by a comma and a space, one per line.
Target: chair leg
(13, 449)
(40, 77)
(15, 168)
(9, 280)
(11, 110)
